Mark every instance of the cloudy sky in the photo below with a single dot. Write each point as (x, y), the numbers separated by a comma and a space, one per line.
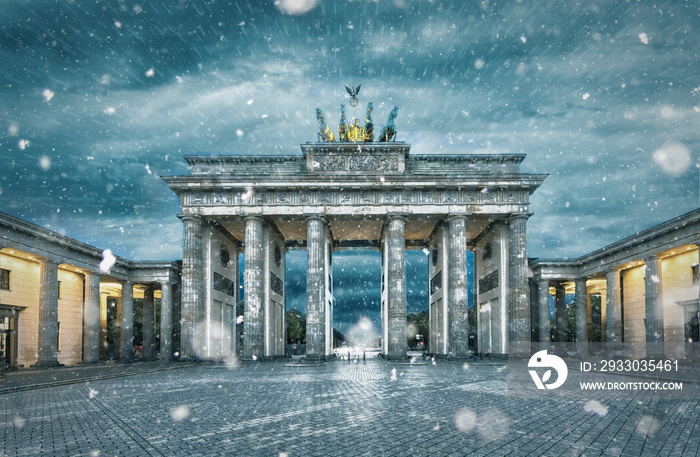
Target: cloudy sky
(99, 99)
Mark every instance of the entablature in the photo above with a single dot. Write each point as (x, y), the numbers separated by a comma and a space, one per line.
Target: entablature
(343, 197)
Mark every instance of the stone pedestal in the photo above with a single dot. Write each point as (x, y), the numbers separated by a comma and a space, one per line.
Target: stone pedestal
(315, 289)
(254, 276)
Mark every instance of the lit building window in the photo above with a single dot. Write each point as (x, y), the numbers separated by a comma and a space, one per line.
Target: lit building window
(4, 279)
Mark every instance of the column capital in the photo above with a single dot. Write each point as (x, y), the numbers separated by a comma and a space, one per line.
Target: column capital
(315, 216)
(49, 261)
(254, 217)
(516, 216)
(190, 217)
(126, 282)
(399, 216)
(453, 216)
(652, 257)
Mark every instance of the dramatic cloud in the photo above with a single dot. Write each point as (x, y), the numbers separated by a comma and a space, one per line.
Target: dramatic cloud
(100, 100)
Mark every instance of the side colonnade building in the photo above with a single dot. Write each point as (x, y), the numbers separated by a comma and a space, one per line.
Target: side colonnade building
(58, 308)
(643, 290)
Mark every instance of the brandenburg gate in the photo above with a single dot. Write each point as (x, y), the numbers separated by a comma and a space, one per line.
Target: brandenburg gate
(362, 194)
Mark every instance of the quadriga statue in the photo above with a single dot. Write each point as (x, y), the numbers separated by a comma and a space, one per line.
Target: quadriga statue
(389, 130)
(325, 132)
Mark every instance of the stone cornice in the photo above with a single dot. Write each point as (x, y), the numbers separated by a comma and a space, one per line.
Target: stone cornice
(28, 237)
(473, 181)
(684, 229)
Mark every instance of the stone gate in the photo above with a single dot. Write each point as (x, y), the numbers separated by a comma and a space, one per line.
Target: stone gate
(344, 195)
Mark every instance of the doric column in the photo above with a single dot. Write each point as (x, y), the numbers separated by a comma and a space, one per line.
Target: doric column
(560, 312)
(394, 237)
(653, 305)
(254, 275)
(91, 319)
(166, 321)
(457, 297)
(192, 285)
(315, 288)
(581, 316)
(48, 314)
(613, 306)
(126, 329)
(149, 335)
(518, 289)
(543, 305)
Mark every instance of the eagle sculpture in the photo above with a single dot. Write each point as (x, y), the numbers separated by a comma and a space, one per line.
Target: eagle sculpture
(325, 132)
(389, 130)
(353, 94)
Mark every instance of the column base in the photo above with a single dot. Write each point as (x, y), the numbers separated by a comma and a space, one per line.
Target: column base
(188, 359)
(313, 359)
(396, 358)
(47, 364)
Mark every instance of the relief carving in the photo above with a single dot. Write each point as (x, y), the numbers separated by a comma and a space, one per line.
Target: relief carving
(358, 163)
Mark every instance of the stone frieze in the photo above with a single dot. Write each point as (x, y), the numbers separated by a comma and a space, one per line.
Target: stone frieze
(357, 197)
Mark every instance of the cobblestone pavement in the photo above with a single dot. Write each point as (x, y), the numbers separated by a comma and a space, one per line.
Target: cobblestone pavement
(343, 408)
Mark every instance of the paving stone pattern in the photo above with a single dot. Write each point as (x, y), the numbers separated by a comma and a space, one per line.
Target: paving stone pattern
(340, 409)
